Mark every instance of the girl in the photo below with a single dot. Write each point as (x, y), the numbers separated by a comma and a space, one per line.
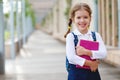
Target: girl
(81, 17)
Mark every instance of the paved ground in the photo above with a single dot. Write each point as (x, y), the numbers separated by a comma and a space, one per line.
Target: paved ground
(43, 58)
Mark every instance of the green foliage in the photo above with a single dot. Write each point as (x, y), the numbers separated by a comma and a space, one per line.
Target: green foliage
(43, 22)
(27, 8)
(33, 17)
(1, 1)
(6, 15)
(67, 11)
(29, 11)
(69, 2)
(15, 19)
(7, 35)
(96, 1)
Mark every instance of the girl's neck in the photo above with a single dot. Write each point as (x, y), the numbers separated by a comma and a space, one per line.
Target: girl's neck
(83, 31)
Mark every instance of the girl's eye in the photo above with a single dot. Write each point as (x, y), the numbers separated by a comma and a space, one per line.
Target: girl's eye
(78, 17)
(85, 17)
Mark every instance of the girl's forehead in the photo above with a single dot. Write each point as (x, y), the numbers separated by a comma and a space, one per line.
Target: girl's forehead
(82, 12)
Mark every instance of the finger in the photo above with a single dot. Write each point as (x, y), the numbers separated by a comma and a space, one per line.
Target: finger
(98, 61)
(77, 46)
(92, 70)
(81, 46)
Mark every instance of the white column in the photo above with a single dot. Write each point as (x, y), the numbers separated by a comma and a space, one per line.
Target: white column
(2, 59)
(18, 23)
(31, 25)
(119, 24)
(12, 30)
(23, 21)
(95, 13)
(62, 20)
(54, 21)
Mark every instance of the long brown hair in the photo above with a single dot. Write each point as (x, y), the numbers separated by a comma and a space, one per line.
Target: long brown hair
(77, 7)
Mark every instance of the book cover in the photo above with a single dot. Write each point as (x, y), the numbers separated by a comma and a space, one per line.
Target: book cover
(91, 45)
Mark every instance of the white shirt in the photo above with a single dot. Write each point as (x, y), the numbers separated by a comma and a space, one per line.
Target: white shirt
(70, 49)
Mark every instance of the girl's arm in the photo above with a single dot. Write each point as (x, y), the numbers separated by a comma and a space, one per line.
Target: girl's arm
(101, 53)
(72, 57)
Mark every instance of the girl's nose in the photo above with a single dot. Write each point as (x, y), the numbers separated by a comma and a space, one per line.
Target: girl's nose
(82, 20)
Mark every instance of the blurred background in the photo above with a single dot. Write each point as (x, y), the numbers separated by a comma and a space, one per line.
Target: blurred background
(32, 43)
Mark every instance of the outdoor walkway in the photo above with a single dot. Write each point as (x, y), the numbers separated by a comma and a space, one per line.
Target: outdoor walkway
(43, 58)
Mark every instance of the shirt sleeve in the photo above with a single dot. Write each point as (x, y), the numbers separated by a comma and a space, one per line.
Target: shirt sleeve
(102, 52)
(71, 53)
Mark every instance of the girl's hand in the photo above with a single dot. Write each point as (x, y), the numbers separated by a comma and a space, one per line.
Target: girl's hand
(94, 65)
(82, 51)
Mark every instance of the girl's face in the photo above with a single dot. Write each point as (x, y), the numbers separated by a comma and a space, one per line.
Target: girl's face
(82, 20)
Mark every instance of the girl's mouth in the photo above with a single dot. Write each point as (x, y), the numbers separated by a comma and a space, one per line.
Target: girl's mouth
(82, 25)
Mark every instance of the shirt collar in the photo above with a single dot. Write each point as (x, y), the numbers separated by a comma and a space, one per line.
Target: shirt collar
(76, 32)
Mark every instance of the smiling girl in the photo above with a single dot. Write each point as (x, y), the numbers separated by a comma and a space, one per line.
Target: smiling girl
(80, 16)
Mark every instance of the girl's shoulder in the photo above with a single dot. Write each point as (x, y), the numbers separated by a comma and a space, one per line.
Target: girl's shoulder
(69, 35)
(96, 33)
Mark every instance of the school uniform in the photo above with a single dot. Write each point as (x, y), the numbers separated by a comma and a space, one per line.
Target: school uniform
(81, 73)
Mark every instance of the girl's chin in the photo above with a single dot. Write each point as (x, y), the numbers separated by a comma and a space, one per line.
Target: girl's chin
(82, 27)
(83, 30)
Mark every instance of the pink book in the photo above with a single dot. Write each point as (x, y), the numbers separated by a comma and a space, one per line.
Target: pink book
(91, 45)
